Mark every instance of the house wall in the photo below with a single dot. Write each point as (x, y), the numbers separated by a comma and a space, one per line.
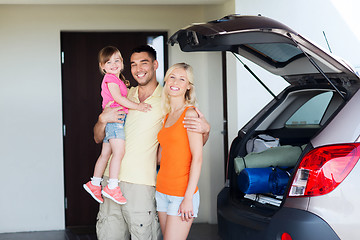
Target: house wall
(31, 124)
(31, 153)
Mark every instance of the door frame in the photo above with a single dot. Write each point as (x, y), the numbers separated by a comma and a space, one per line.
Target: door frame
(81, 38)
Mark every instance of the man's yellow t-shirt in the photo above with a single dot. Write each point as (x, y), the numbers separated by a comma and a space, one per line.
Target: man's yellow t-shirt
(141, 128)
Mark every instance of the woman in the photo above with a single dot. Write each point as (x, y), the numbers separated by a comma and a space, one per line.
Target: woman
(180, 156)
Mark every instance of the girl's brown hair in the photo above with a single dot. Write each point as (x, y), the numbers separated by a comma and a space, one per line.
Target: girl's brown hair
(104, 56)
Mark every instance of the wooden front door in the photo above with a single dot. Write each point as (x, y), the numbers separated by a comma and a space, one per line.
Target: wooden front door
(81, 101)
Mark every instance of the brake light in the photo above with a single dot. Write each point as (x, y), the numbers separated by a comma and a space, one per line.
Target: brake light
(285, 236)
(323, 169)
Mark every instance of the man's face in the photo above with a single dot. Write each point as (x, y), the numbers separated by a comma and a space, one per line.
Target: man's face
(143, 68)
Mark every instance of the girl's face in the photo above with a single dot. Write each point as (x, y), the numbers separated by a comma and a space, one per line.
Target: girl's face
(114, 65)
(177, 84)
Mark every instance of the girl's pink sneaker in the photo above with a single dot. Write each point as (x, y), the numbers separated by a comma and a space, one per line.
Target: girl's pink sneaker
(94, 191)
(114, 194)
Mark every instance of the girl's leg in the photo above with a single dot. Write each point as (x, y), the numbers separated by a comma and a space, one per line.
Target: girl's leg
(118, 151)
(162, 220)
(112, 190)
(93, 187)
(176, 229)
(102, 160)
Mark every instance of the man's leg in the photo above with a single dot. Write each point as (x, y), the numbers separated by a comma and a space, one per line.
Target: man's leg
(111, 224)
(140, 211)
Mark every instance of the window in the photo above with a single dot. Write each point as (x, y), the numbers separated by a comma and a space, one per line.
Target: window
(157, 42)
(278, 52)
(312, 112)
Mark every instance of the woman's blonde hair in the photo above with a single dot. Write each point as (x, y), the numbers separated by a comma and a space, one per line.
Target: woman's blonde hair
(190, 96)
(105, 55)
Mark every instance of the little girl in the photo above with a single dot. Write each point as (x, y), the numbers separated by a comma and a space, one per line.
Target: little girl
(113, 88)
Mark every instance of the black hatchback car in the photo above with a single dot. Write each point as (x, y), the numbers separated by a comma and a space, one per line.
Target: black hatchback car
(293, 169)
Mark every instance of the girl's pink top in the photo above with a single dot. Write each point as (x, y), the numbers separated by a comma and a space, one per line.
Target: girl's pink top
(105, 93)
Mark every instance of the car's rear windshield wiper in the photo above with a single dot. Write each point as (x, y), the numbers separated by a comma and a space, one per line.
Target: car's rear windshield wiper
(317, 67)
(254, 75)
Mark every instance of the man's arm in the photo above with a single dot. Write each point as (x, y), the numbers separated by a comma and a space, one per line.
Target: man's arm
(198, 124)
(108, 115)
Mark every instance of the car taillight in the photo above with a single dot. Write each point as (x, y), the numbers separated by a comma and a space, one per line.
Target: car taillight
(323, 169)
(285, 236)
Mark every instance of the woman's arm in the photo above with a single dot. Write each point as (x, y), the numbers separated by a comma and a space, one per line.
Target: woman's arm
(196, 145)
(116, 94)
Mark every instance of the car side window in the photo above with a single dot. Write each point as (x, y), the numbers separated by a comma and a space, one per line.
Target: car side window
(312, 112)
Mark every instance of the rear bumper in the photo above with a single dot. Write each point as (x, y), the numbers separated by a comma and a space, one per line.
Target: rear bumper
(300, 225)
(236, 223)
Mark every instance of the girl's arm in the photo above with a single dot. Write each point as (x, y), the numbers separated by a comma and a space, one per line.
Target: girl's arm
(116, 94)
(196, 145)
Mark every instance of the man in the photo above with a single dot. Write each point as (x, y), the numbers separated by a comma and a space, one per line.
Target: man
(138, 218)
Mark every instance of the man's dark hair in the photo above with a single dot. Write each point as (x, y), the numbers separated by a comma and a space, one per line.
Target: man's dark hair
(145, 48)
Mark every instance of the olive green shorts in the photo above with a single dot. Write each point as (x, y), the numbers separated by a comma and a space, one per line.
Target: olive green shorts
(137, 218)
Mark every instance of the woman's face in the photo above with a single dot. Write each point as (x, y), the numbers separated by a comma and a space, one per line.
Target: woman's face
(177, 84)
(114, 65)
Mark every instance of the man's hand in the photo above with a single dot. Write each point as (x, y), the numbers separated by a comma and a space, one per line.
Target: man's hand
(198, 124)
(108, 115)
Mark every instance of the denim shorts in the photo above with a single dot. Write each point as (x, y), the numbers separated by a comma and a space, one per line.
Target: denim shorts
(114, 130)
(170, 204)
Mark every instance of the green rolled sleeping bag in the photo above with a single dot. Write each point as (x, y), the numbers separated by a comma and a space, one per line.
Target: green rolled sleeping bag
(282, 156)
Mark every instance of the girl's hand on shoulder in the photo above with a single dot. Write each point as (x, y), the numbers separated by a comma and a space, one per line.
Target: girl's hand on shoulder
(186, 209)
(144, 107)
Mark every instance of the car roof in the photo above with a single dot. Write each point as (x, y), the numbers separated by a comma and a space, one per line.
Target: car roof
(268, 43)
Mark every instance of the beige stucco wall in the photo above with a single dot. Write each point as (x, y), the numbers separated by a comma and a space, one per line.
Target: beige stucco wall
(30, 96)
(31, 155)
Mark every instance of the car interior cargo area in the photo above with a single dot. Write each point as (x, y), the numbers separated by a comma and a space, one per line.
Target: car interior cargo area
(262, 159)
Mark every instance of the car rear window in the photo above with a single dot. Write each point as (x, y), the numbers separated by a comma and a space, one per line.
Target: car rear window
(312, 112)
(277, 52)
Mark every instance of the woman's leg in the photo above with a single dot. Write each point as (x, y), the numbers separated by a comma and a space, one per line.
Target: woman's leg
(176, 229)
(102, 161)
(118, 151)
(162, 220)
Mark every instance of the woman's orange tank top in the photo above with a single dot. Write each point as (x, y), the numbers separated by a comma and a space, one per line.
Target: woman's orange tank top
(173, 176)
